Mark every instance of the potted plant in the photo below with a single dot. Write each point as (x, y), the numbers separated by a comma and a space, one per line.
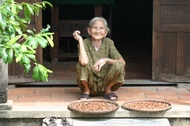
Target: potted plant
(18, 42)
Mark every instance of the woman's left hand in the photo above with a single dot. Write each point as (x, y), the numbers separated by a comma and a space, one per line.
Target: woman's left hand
(98, 65)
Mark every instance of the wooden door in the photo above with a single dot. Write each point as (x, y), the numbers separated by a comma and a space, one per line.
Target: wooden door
(16, 71)
(171, 40)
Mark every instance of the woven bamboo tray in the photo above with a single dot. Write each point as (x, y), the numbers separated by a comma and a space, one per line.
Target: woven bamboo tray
(147, 105)
(93, 106)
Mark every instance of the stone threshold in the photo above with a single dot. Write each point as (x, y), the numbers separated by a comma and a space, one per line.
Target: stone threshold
(129, 82)
(177, 111)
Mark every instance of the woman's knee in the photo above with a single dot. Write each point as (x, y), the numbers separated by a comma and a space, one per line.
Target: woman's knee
(118, 67)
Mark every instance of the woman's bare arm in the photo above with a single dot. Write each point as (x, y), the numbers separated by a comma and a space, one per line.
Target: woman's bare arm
(112, 61)
(83, 58)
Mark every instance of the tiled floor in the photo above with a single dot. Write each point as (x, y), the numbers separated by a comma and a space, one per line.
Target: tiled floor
(37, 96)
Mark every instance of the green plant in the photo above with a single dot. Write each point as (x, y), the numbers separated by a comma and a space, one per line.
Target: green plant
(19, 43)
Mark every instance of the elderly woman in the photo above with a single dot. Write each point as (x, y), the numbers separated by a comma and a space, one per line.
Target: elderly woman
(101, 68)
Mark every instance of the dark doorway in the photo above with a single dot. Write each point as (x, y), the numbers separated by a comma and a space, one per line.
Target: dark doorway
(131, 31)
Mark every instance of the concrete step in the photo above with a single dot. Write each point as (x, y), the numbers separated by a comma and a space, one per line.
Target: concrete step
(113, 122)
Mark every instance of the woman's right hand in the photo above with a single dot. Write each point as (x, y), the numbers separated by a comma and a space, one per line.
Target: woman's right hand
(77, 36)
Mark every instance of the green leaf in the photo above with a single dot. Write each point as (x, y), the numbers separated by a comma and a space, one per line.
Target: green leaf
(37, 10)
(30, 31)
(10, 55)
(19, 6)
(25, 36)
(46, 2)
(13, 40)
(2, 50)
(23, 25)
(43, 76)
(21, 62)
(36, 73)
(13, 22)
(27, 68)
(38, 5)
(23, 48)
(18, 58)
(43, 73)
(44, 30)
(13, 8)
(33, 43)
(50, 41)
(49, 71)
(30, 50)
(25, 59)
(3, 23)
(41, 41)
(11, 29)
(27, 13)
(24, 21)
(29, 8)
(31, 56)
(15, 45)
(18, 29)
(5, 56)
(44, 69)
(40, 72)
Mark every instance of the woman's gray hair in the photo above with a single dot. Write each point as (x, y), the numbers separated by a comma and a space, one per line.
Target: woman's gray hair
(99, 18)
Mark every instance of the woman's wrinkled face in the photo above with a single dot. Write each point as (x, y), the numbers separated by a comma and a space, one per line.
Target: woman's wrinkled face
(98, 31)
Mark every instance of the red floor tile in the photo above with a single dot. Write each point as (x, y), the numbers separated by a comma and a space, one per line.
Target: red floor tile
(64, 95)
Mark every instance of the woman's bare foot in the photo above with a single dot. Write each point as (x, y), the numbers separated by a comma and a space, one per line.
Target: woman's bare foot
(86, 91)
(84, 97)
(109, 94)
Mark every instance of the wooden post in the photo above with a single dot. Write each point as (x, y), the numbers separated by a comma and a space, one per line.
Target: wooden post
(38, 27)
(54, 24)
(98, 10)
